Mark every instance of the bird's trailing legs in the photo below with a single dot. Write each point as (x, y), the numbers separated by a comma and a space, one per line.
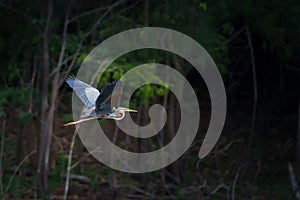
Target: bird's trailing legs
(82, 120)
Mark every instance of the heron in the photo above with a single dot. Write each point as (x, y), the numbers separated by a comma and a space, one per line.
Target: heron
(97, 104)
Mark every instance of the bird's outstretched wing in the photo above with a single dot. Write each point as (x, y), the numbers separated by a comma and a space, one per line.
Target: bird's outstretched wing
(104, 97)
(87, 94)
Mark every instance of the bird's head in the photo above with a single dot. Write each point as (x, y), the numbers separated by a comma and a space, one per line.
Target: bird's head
(118, 113)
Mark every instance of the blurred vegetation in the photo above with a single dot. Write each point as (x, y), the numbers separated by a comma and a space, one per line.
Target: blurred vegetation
(234, 170)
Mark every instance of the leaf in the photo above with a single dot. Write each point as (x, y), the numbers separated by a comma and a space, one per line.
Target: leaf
(160, 91)
(25, 117)
(202, 5)
(2, 114)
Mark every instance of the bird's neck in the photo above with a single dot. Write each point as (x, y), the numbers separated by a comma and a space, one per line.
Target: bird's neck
(120, 114)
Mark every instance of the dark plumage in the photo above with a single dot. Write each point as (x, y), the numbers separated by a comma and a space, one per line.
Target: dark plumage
(98, 104)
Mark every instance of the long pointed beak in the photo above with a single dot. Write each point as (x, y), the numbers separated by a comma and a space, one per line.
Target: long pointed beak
(130, 110)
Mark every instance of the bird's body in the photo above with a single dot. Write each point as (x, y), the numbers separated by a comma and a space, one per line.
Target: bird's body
(97, 104)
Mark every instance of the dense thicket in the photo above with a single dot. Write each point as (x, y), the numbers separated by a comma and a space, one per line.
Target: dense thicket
(255, 45)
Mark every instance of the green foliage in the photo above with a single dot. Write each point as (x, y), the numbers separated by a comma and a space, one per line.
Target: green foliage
(67, 117)
(2, 114)
(81, 58)
(25, 117)
(19, 184)
(14, 97)
(202, 5)
(274, 25)
(55, 179)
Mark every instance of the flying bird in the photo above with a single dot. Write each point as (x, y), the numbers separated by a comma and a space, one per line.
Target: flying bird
(97, 104)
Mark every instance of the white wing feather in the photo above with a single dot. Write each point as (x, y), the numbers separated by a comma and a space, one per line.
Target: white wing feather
(92, 95)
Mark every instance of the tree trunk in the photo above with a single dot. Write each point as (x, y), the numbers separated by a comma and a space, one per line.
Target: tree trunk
(146, 12)
(46, 126)
(174, 168)
(298, 145)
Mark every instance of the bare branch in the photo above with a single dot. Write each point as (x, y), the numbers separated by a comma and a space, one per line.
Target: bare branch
(128, 8)
(69, 165)
(1, 157)
(91, 30)
(58, 67)
(26, 16)
(109, 9)
(17, 169)
(254, 109)
(294, 181)
(135, 189)
(236, 34)
(222, 185)
(88, 13)
(298, 144)
(79, 178)
(64, 43)
(234, 183)
(82, 159)
(64, 37)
